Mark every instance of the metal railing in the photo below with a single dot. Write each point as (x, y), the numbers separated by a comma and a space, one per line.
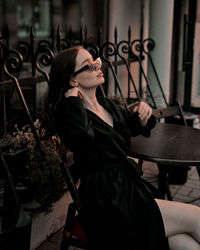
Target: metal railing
(27, 64)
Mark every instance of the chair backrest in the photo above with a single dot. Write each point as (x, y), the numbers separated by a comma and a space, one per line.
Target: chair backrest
(70, 181)
(73, 225)
(170, 111)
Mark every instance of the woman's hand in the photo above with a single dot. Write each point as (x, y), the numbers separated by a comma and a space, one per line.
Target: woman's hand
(144, 112)
(74, 92)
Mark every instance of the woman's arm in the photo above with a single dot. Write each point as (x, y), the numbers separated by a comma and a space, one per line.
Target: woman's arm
(140, 120)
(72, 123)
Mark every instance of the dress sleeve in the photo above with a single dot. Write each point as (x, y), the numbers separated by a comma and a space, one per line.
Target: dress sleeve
(71, 122)
(135, 126)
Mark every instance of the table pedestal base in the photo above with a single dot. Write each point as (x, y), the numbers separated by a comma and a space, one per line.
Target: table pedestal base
(163, 182)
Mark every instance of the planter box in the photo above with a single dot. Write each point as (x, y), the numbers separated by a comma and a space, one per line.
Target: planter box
(44, 226)
(17, 163)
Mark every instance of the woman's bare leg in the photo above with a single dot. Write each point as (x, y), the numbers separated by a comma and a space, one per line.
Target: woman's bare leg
(183, 242)
(180, 219)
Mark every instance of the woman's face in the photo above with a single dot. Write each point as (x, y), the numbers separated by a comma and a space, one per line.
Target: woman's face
(87, 78)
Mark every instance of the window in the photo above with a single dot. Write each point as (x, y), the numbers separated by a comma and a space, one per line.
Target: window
(34, 13)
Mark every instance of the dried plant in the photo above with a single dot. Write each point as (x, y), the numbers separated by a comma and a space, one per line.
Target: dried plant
(43, 162)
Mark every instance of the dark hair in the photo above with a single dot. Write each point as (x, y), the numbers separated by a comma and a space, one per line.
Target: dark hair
(61, 71)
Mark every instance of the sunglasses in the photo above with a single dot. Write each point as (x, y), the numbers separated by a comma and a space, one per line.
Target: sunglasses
(96, 65)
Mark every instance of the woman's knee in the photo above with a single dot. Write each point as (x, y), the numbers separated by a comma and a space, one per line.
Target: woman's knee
(180, 218)
(183, 242)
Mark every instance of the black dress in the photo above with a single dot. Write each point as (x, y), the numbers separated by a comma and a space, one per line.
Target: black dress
(120, 212)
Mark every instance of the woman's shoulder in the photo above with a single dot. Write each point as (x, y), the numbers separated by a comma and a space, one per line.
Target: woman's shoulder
(69, 103)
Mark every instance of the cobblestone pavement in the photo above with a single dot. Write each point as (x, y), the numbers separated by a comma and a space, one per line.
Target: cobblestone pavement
(187, 193)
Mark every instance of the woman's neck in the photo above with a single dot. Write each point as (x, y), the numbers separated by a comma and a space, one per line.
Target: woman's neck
(92, 104)
(90, 101)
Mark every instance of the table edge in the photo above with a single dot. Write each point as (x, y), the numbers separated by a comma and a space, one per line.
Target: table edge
(166, 161)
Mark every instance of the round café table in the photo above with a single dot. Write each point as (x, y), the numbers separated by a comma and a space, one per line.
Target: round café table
(168, 145)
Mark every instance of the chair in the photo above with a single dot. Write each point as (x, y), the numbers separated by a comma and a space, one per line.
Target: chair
(73, 233)
(170, 113)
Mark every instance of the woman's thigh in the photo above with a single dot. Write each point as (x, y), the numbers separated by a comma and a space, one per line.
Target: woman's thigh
(180, 218)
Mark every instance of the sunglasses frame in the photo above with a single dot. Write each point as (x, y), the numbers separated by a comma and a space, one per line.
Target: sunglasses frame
(92, 66)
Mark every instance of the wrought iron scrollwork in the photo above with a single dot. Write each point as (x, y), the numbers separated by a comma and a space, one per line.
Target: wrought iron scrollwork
(61, 43)
(136, 47)
(45, 44)
(109, 49)
(3, 47)
(125, 48)
(12, 63)
(148, 44)
(24, 49)
(65, 43)
(43, 57)
(93, 49)
(76, 42)
(13, 60)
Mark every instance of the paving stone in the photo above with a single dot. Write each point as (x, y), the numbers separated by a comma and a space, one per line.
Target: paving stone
(185, 190)
(48, 245)
(57, 236)
(174, 189)
(197, 202)
(191, 184)
(53, 243)
(180, 197)
(195, 193)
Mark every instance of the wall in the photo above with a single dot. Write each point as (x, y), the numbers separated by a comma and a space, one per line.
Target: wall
(146, 18)
(123, 14)
(160, 30)
(195, 100)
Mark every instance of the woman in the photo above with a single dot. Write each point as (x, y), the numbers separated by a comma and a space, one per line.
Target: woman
(120, 212)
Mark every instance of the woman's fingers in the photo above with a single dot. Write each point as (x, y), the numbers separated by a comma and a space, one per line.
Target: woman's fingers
(144, 109)
(135, 109)
(144, 112)
(74, 92)
(149, 113)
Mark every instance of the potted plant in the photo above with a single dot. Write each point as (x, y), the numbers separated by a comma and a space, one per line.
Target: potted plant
(35, 166)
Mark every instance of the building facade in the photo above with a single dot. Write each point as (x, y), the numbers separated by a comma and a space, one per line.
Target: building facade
(173, 25)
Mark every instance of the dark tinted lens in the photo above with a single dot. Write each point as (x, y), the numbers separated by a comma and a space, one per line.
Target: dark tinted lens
(93, 66)
(80, 70)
